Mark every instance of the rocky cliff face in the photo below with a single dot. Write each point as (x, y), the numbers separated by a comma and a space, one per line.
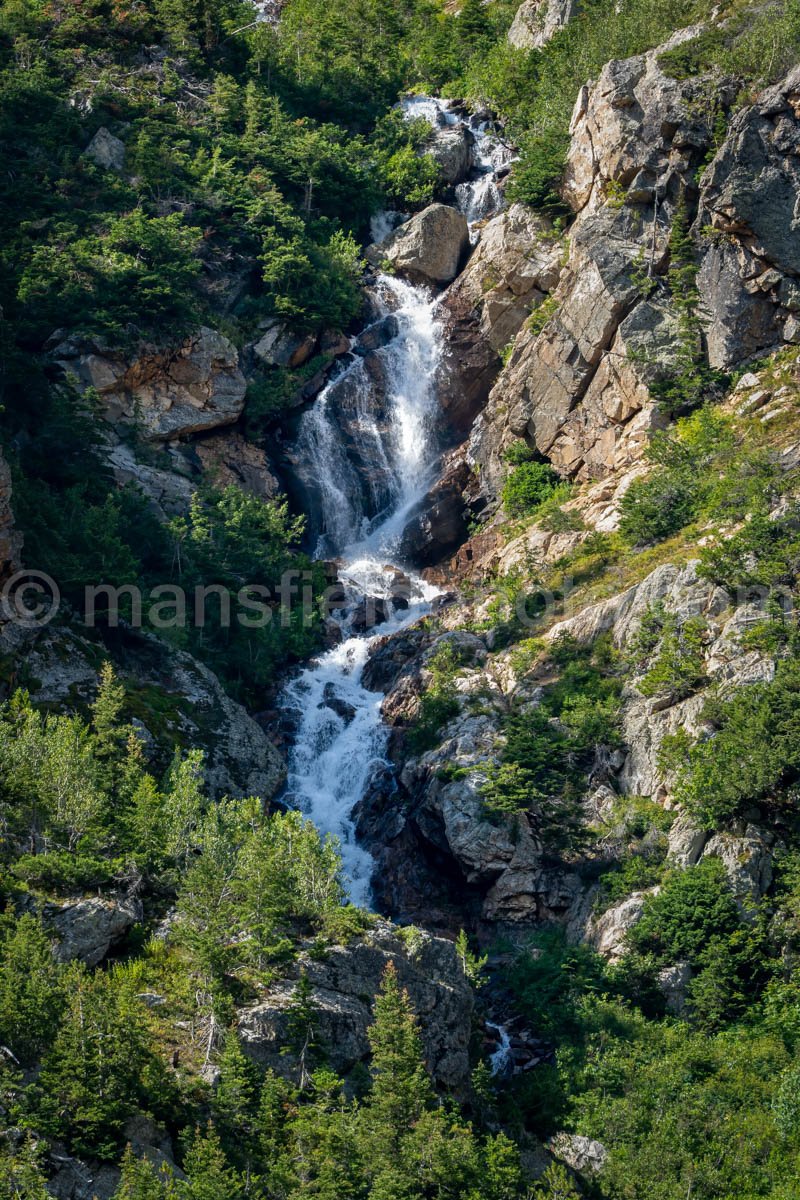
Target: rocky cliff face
(343, 984)
(192, 388)
(537, 21)
(10, 539)
(578, 386)
(581, 388)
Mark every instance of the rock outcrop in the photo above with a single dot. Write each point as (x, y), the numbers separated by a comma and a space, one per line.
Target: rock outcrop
(86, 929)
(514, 267)
(579, 388)
(439, 523)
(430, 248)
(106, 150)
(537, 21)
(165, 394)
(747, 225)
(175, 698)
(344, 985)
(451, 147)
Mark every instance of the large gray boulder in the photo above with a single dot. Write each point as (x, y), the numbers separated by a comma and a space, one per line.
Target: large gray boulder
(86, 929)
(608, 932)
(537, 21)
(344, 986)
(451, 147)
(429, 248)
(106, 150)
(166, 394)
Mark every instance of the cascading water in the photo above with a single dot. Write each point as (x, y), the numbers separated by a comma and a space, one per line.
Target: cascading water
(368, 452)
(366, 443)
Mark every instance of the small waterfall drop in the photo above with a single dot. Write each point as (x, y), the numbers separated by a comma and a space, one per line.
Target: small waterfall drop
(366, 441)
(367, 454)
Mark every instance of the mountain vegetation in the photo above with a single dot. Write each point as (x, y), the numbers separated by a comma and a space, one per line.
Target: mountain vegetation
(256, 153)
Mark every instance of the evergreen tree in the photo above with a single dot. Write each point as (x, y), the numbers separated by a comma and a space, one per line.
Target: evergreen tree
(302, 1026)
(142, 1180)
(92, 1076)
(401, 1089)
(235, 1101)
(210, 1176)
(31, 996)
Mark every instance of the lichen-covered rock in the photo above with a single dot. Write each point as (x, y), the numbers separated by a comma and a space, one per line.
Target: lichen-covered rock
(166, 394)
(170, 494)
(430, 248)
(747, 859)
(537, 21)
(687, 840)
(583, 1154)
(227, 459)
(86, 929)
(639, 132)
(344, 985)
(608, 932)
(72, 1179)
(673, 983)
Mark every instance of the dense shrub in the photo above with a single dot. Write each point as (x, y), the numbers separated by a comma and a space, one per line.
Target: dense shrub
(528, 485)
(753, 758)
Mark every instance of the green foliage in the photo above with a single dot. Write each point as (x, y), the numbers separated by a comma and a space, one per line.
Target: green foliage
(31, 996)
(679, 667)
(536, 91)
(140, 269)
(755, 45)
(694, 918)
(701, 468)
(527, 487)
(100, 1066)
(439, 702)
(690, 379)
(550, 746)
(753, 758)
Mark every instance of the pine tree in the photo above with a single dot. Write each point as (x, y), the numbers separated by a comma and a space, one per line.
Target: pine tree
(142, 1180)
(209, 1174)
(106, 712)
(691, 376)
(31, 997)
(401, 1089)
(235, 1101)
(302, 1026)
(21, 1176)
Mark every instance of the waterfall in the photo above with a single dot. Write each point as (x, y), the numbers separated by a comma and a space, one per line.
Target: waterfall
(371, 464)
(366, 453)
(366, 444)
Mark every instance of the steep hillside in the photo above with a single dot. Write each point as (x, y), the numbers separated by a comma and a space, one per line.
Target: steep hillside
(399, 541)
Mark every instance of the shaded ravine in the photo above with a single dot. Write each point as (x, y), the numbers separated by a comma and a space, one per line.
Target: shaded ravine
(370, 454)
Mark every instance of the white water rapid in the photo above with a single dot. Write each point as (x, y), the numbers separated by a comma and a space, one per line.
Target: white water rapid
(340, 741)
(369, 454)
